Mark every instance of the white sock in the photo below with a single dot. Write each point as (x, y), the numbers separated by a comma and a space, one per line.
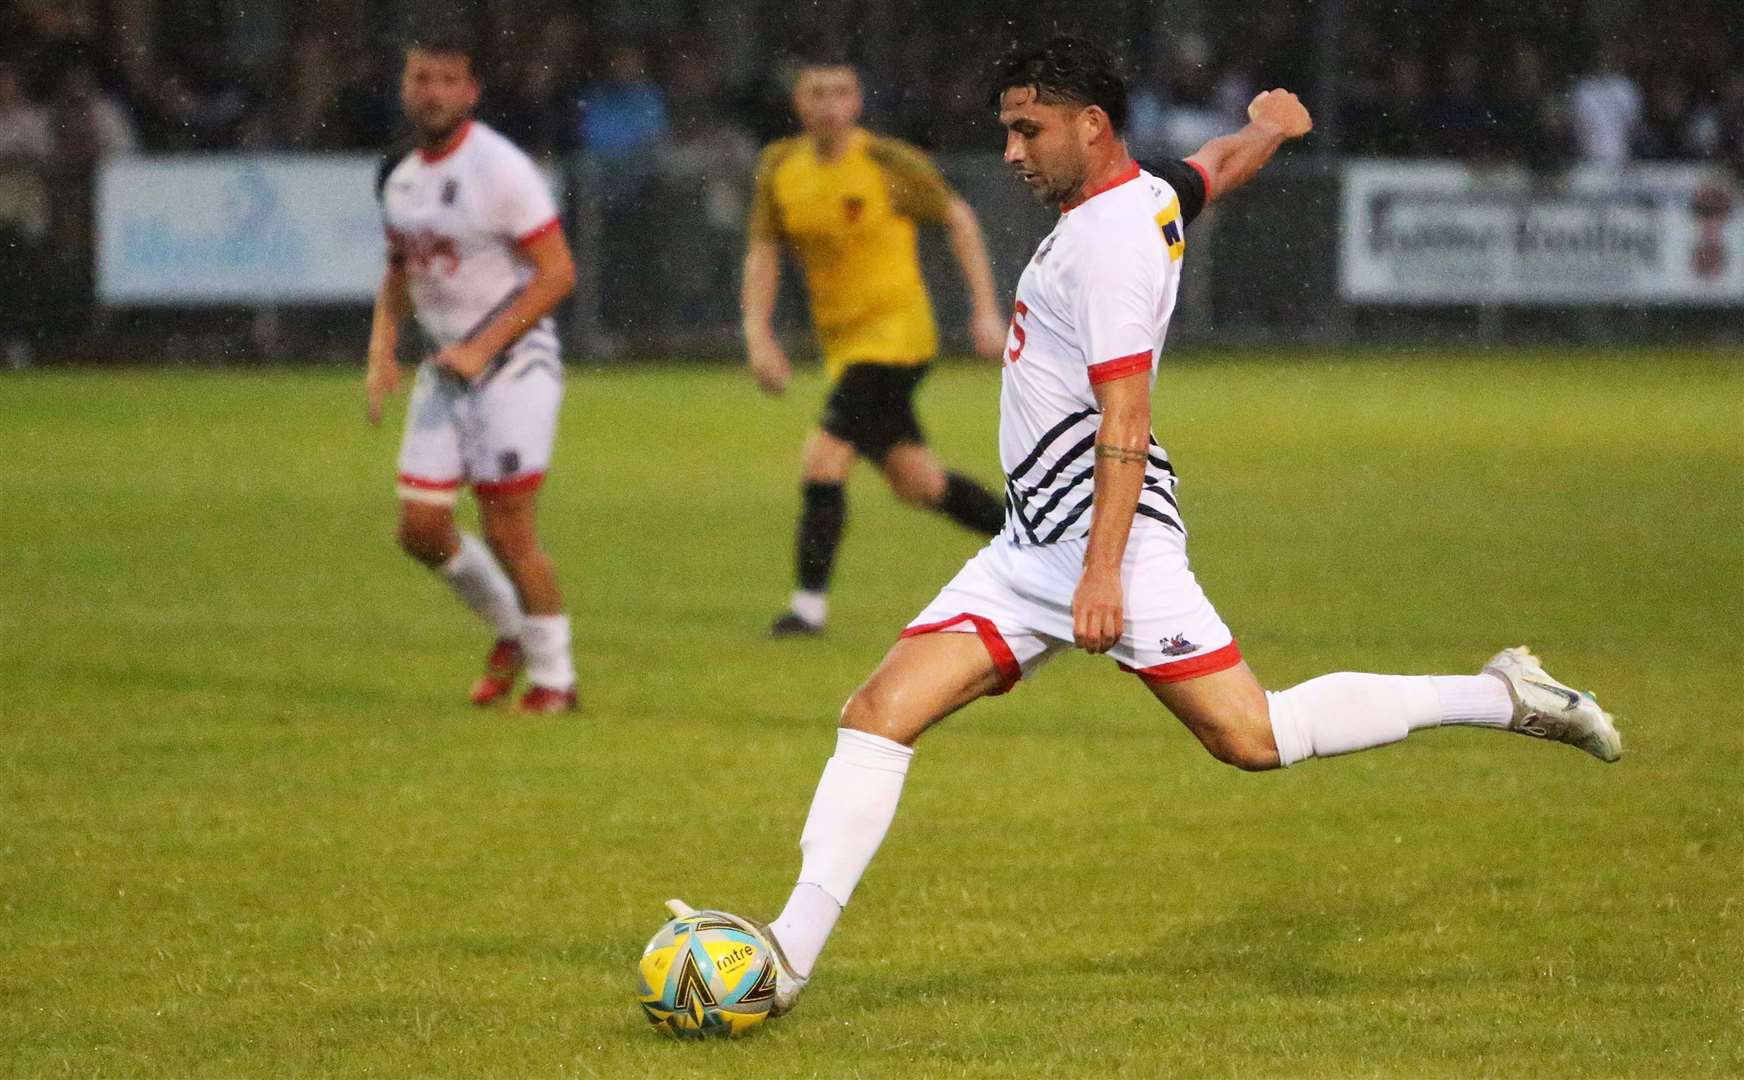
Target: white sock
(1347, 711)
(809, 605)
(1478, 700)
(804, 925)
(852, 810)
(545, 639)
(479, 581)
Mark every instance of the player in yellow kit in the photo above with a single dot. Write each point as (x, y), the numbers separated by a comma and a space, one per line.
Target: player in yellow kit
(848, 203)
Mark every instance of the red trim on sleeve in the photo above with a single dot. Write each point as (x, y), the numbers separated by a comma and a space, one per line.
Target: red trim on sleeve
(525, 240)
(1205, 176)
(1009, 670)
(1190, 668)
(511, 486)
(1127, 174)
(431, 157)
(1120, 367)
(424, 483)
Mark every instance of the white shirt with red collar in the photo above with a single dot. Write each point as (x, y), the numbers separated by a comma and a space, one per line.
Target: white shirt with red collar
(461, 219)
(1092, 305)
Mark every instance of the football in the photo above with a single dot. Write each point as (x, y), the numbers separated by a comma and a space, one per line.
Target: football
(705, 974)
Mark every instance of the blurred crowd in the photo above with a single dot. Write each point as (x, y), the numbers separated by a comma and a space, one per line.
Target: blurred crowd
(1408, 85)
(685, 106)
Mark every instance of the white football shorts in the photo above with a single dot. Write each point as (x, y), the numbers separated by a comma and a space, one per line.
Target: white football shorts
(1019, 600)
(495, 434)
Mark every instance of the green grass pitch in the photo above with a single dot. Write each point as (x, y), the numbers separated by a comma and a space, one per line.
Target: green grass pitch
(248, 828)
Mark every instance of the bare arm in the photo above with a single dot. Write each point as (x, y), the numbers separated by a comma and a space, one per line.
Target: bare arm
(1230, 161)
(1122, 443)
(392, 305)
(986, 322)
(763, 351)
(553, 278)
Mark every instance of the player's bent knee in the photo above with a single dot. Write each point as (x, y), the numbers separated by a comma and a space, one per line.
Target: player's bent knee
(871, 710)
(1246, 744)
(427, 540)
(1245, 753)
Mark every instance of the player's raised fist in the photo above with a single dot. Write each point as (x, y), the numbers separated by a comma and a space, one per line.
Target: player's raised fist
(1282, 111)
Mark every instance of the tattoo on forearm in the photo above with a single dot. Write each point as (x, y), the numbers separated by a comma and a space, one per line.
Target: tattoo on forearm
(1119, 453)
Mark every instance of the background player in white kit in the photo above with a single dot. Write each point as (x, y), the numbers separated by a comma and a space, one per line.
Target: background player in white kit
(476, 252)
(1094, 548)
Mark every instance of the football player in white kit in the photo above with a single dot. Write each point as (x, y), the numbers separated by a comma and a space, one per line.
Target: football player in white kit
(475, 251)
(1093, 554)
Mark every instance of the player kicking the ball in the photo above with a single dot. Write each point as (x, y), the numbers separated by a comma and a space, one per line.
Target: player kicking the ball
(1094, 554)
(474, 249)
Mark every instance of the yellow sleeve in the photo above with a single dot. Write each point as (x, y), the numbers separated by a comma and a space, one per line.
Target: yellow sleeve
(917, 190)
(765, 221)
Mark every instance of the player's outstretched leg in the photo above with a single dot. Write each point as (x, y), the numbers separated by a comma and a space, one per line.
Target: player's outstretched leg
(919, 480)
(1243, 725)
(508, 527)
(823, 517)
(921, 681)
(427, 533)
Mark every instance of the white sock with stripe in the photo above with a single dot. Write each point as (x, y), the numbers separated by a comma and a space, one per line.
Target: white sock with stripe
(545, 638)
(482, 585)
(1347, 711)
(850, 813)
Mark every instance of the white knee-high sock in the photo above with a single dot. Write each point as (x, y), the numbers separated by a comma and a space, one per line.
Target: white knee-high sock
(852, 810)
(1348, 711)
(546, 641)
(479, 581)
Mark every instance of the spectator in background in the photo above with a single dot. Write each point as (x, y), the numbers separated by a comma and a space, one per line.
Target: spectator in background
(1605, 110)
(1175, 111)
(89, 127)
(25, 148)
(626, 111)
(524, 100)
(314, 83)
(89, 123)
(364, 111)
(1458, 121)
(1716, 128)
(1362, 95)
(195, 105)
(25, 139)
(1528, 128)
(704, 186)
(1399, 126)
(1664, 132)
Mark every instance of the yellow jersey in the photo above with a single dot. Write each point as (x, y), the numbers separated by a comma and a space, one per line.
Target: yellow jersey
(852, 224)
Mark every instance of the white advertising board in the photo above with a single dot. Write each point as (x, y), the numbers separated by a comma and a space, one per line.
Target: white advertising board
(238, 229)
(1438, 233)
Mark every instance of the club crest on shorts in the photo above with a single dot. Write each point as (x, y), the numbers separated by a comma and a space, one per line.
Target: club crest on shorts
(853, 206)
(1177, 645)
(509, 462)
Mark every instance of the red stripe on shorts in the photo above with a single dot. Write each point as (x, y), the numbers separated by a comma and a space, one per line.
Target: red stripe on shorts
(424, 483)
(529, 482)
(1009, 671)
(1190, 668)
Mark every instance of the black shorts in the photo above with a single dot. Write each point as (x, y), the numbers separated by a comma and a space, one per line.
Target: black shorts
(872, 406)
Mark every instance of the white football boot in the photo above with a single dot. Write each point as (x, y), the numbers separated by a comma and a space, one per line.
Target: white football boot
(1546, 709)
(788, 984)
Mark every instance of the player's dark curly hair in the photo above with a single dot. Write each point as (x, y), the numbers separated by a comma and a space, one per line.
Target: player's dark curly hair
(1064, 70)
(444, 37)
